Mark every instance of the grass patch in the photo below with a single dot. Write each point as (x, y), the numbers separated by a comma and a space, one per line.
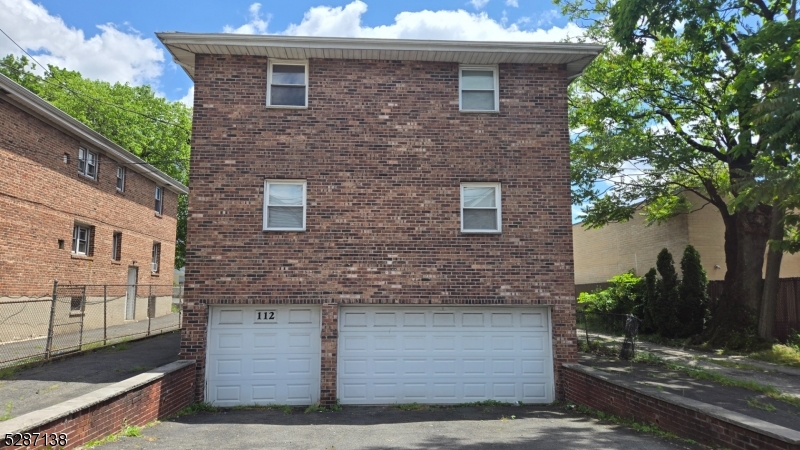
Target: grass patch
(10, 371)
(638, 426)
(195, 408)
(483, 403)
(597, 347)
(7, 414)
(410, 407)
(126, 431)
(756, 403)
(784, 355)
(731, 364)
(176, 307)
(647, 358)
(286, 409)
(318, 408)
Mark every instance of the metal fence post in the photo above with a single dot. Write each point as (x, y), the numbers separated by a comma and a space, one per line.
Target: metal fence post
(149, 299)
(49, 345)
(105, 314)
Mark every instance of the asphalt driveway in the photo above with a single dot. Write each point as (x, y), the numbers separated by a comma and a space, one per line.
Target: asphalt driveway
(367, 428)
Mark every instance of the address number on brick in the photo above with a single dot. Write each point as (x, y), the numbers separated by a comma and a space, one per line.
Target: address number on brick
(266, 316)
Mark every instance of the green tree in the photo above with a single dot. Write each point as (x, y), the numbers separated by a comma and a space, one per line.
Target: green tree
(693, 293)
(666, 306)
(133, 117)
(649, 302)
(671, 106)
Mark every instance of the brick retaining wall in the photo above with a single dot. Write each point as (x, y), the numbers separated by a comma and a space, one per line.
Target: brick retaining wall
(137, 401)
(687, 418)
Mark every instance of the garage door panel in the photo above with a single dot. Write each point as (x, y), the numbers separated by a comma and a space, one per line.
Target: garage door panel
(444, 355)
(258, 362)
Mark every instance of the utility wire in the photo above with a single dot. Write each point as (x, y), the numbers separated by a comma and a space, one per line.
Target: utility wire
(64, 86)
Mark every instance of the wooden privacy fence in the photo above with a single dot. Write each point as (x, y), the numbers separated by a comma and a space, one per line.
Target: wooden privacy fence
(787, 314)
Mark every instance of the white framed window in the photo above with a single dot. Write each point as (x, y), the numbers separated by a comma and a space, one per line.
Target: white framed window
(82, 239)
(121, 179)
(159, 206)
(480, 208)
(285, 205)
(155, 263)
(116, 246)
(287, 84)
(479, 89)
(87, 163)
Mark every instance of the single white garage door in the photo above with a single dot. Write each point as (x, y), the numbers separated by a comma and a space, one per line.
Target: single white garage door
(458, 354)
(266, 354)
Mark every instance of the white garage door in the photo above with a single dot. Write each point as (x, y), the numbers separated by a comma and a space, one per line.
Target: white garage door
(395, 354)
(266, 354)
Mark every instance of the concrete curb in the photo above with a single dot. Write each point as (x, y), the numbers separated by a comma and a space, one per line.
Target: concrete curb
(740, 420)
(32, 420)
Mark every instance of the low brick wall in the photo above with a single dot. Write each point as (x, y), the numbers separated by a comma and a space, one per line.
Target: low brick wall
(687, 418)
(138, 400)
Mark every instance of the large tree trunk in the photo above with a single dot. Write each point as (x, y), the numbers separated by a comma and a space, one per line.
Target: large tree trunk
(752, 232)
(769, 299)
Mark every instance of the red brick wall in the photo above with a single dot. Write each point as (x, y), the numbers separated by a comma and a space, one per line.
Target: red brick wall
(610, 398)
(41, 198)
(140, 406)
(384, 149)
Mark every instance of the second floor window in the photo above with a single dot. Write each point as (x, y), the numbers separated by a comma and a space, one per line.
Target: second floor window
(121, 179)
(479, 89)
(288, 82)
(87, 163)
(159, 207)
(285, 205)
(116, 246)
(480, 208)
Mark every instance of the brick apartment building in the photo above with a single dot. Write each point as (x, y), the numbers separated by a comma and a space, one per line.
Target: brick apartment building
(378, 221)
(77, 208)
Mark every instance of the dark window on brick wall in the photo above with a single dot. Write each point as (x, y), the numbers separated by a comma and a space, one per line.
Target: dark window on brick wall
(116, 246)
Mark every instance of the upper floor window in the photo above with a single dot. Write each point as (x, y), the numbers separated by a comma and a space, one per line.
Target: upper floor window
(82, 239)
(287, 83)
(155, 263)
(87, 163)
(121, 179)
(479, 89)
(159, 207)
(285, 205)
(480, 208)
(116, 246)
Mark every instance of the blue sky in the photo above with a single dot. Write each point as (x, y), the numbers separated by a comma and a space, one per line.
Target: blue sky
(114, 40)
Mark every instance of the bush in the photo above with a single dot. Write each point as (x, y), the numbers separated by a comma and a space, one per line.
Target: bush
(646, 310)
(666, 302)
(693, 294)
(622, 297)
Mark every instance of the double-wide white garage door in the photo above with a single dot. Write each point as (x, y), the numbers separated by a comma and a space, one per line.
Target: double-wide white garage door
(387, 354)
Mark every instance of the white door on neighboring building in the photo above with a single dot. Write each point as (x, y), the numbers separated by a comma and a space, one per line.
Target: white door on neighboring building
(444, 354)
(130, 300)
(263, 354)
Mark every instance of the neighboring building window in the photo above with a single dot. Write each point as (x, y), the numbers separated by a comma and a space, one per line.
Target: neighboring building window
(116, 246)
(159, 200)
(82, 239)
(121, 179)
(480, 207)
(287, 83)
(87, 163)
(76, 303)
(156, 262)
(285, 205)
(479, 89)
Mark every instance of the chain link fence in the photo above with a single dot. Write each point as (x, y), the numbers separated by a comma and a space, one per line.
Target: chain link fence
(81, 317)
(612, 334)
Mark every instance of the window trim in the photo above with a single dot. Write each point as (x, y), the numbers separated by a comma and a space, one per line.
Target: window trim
(83, 172)
(75, 240)
(159, 200)
(498, 201)
(495, 69)
(286, 62)
(266, 204)
(124, 172)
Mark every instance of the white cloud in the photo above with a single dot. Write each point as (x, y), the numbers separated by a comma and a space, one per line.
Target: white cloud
(112, 55)
(512, 3)
(546, 18)
(454, 25)
(478, 4)
(256, 25)
(188, 99)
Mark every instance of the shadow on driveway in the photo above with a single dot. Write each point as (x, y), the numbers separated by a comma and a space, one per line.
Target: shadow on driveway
(58, 381)
(466, 428)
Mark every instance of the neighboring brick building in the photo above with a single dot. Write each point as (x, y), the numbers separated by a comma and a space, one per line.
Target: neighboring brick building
(77, 208)
(378, 221)
(601, 253)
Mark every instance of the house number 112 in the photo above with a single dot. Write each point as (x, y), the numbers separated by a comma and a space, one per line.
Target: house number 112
(266, 316)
